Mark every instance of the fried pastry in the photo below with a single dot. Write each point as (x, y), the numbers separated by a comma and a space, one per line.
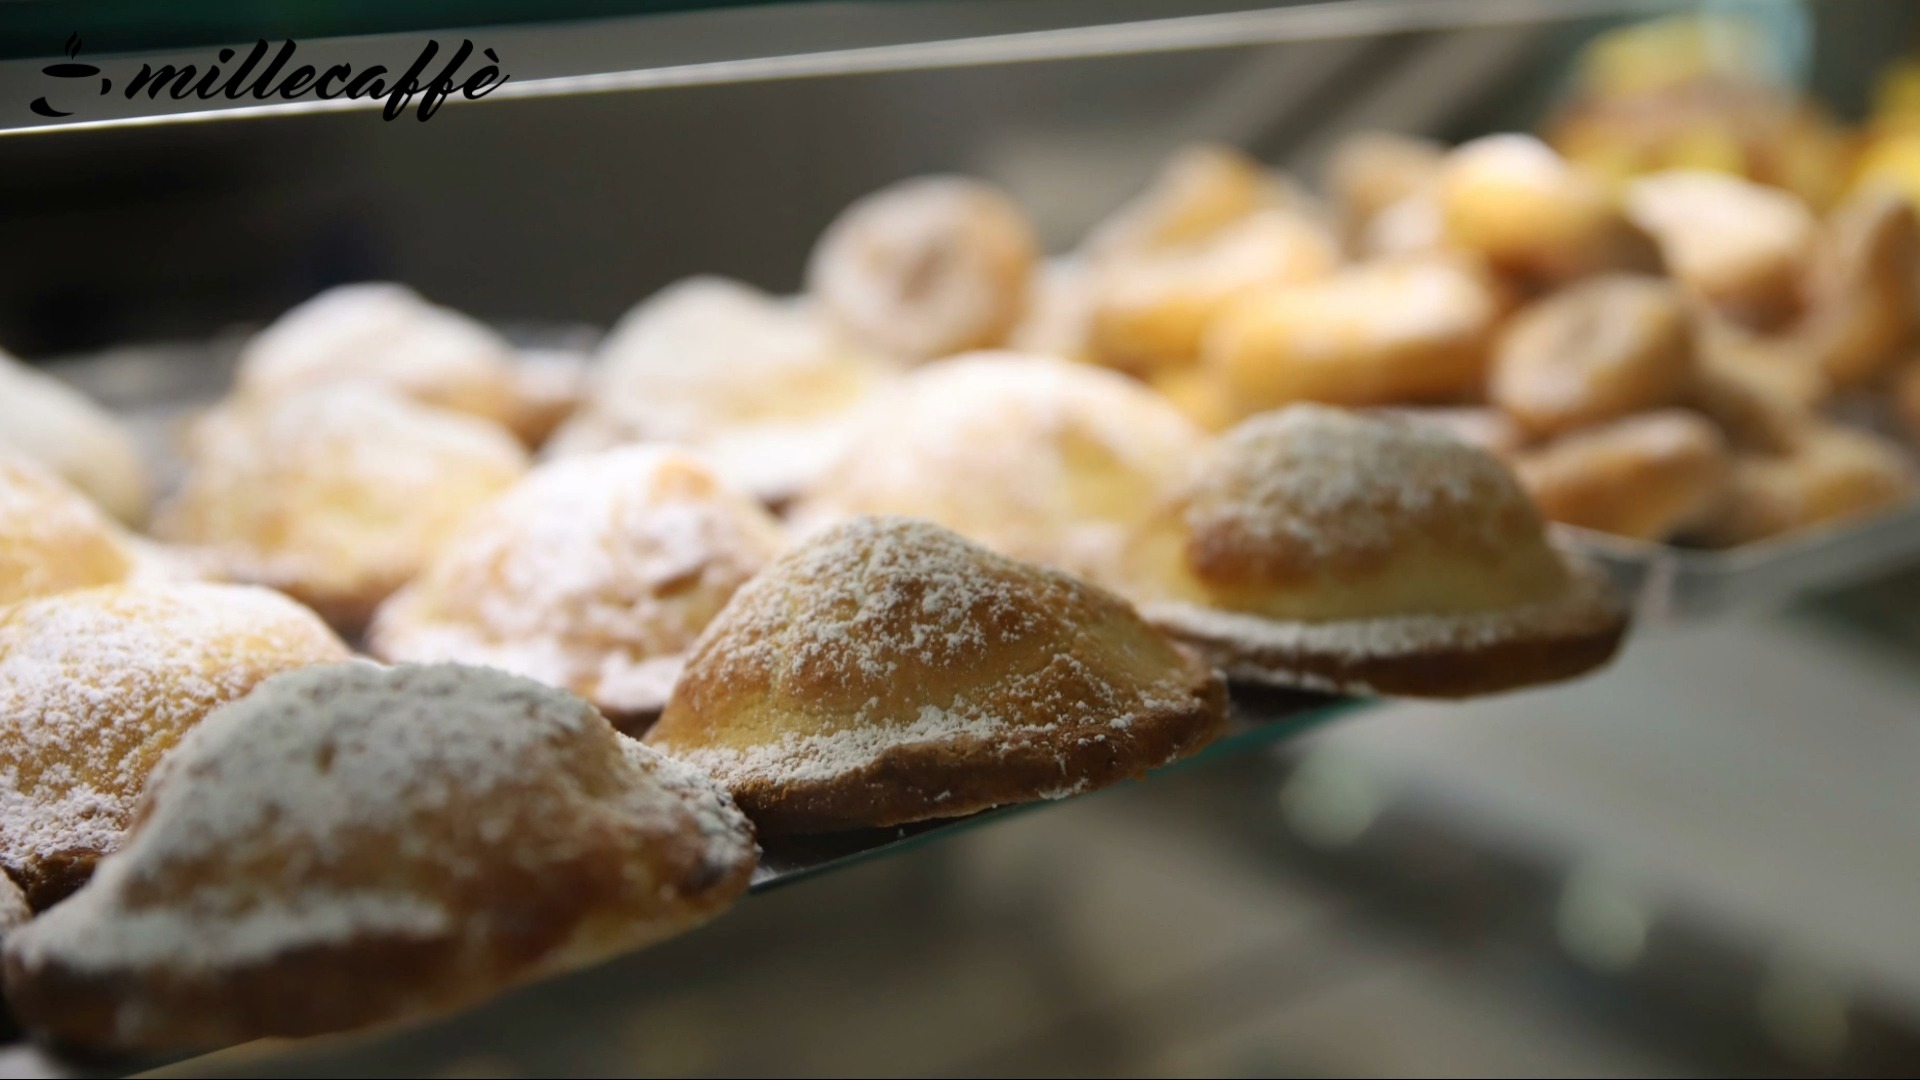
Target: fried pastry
(1863, 289)
(1039, 458)
(1833, 474)
(594, 573)
(764, 389)
(1370, 171)
(48, 421)
(1383, 333)
(52, 538)
(336, 496)
(888, 671)
(1533, 214)
(1762, 391)
(351, 845)
(926, 268)
(1324, 549)
(390, 336)
(1151, 311)
(97, 685)
(1738, 245)
(1593, 352)
(1199, 191)
(1645, 477)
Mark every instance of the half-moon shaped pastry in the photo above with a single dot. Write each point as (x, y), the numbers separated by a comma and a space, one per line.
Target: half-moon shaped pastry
(45, 419)
(388, 335)
(1645, 477)
(1739, 245)
(1831, 474)
(594, 573)
(888, 671)
(763, 388)
(336, 496)
(97, 685)
(1595, 351)
(926, 268)
(1039, 458)
(351, 845)
(1327, 550)
(52, 538)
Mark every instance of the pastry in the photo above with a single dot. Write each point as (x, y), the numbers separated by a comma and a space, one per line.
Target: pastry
(1039, 458)
(1593, 352)
(388, 335)
(1833, 474)
(1151, 311)
(594, 573)
(46, 420)
(1762, 391)
(1487, 428)
(1533, 214)
(763, 388)
(1645, 477)
(1198, 191)
(337, 495)
(1863, 289)
(926, 268)
(350, 845)
(1328, 550)
(1198, 392)
(1382, 333)
(1059, 315)
(888, 671)
(1738, 245)
(1370, 171)
(549, 384)
(97, 685)
(52, 538)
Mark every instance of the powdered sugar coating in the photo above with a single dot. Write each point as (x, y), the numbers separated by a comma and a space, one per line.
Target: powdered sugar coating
(594, 573)
(51, 537)
(48, 421)
(96, 685)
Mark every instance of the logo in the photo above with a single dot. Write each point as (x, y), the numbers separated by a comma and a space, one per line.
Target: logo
(262, 79)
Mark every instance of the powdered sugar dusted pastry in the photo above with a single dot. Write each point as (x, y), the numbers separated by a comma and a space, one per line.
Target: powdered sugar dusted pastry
(764, 389)
(350, 845)
(1040, 458)
(1325, 549)
(1534, 214)
(594, 573)
(388, 335)
(337, 496)
(52, 538)
(926, 267)
(1739, 245)
(1832, 474)
(45, 419)
(1200, 190)
(1593, 352)
(1487, 428)
(888, 671)
(1645, 477)
(97, 685)
(1383, 333)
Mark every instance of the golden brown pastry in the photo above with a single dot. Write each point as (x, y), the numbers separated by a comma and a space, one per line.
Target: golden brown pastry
(97, 685)
(1593, 352)
(1383, 333)
(1370, 171)
(1833, 474)
(1763, 391)
(336, 496)
(1738, 245)
(888, 671)
(1152, 310)
(1487, 428)
(1039, 458)
(44, 419)
(1200, 190)
(926, 268)
(390, 336)
(52, 538)
(763, 388)
(1533, 214)
(1644, 477)
(350, 845)
(594, 574)
(1198, 392)
(1329, 550)
(1863, 289)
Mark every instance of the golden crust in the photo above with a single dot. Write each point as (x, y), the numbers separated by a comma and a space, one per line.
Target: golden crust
(1645, 477)
(49, 422)
(52, 539)
(1533, 214)
(310, 861)
(1831, 474)
(1594, 352)
(888, 671)
(1864, 288)
(97, 685)
(1738, 245)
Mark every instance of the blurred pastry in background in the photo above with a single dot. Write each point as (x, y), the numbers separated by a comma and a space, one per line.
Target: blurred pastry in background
(337, 495)
(1383, 333)
(1593, 352)
(1832, 474)
(1534, 215)
(1739, 246)
(54, 539)
(1370, 172)
(1863, 287)
(1200, 190)
(45, 419)
(351, 845)
(762, 387)
(593, 573)
(388, 335)
(1761, 396)
(97, 685)
(888, 671)
(1199, 393)
(1039, 458)
(1644, 477)
(1476, 425)
(926, 267)
(549, 385)
(1320, 548)
(1059, 316)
